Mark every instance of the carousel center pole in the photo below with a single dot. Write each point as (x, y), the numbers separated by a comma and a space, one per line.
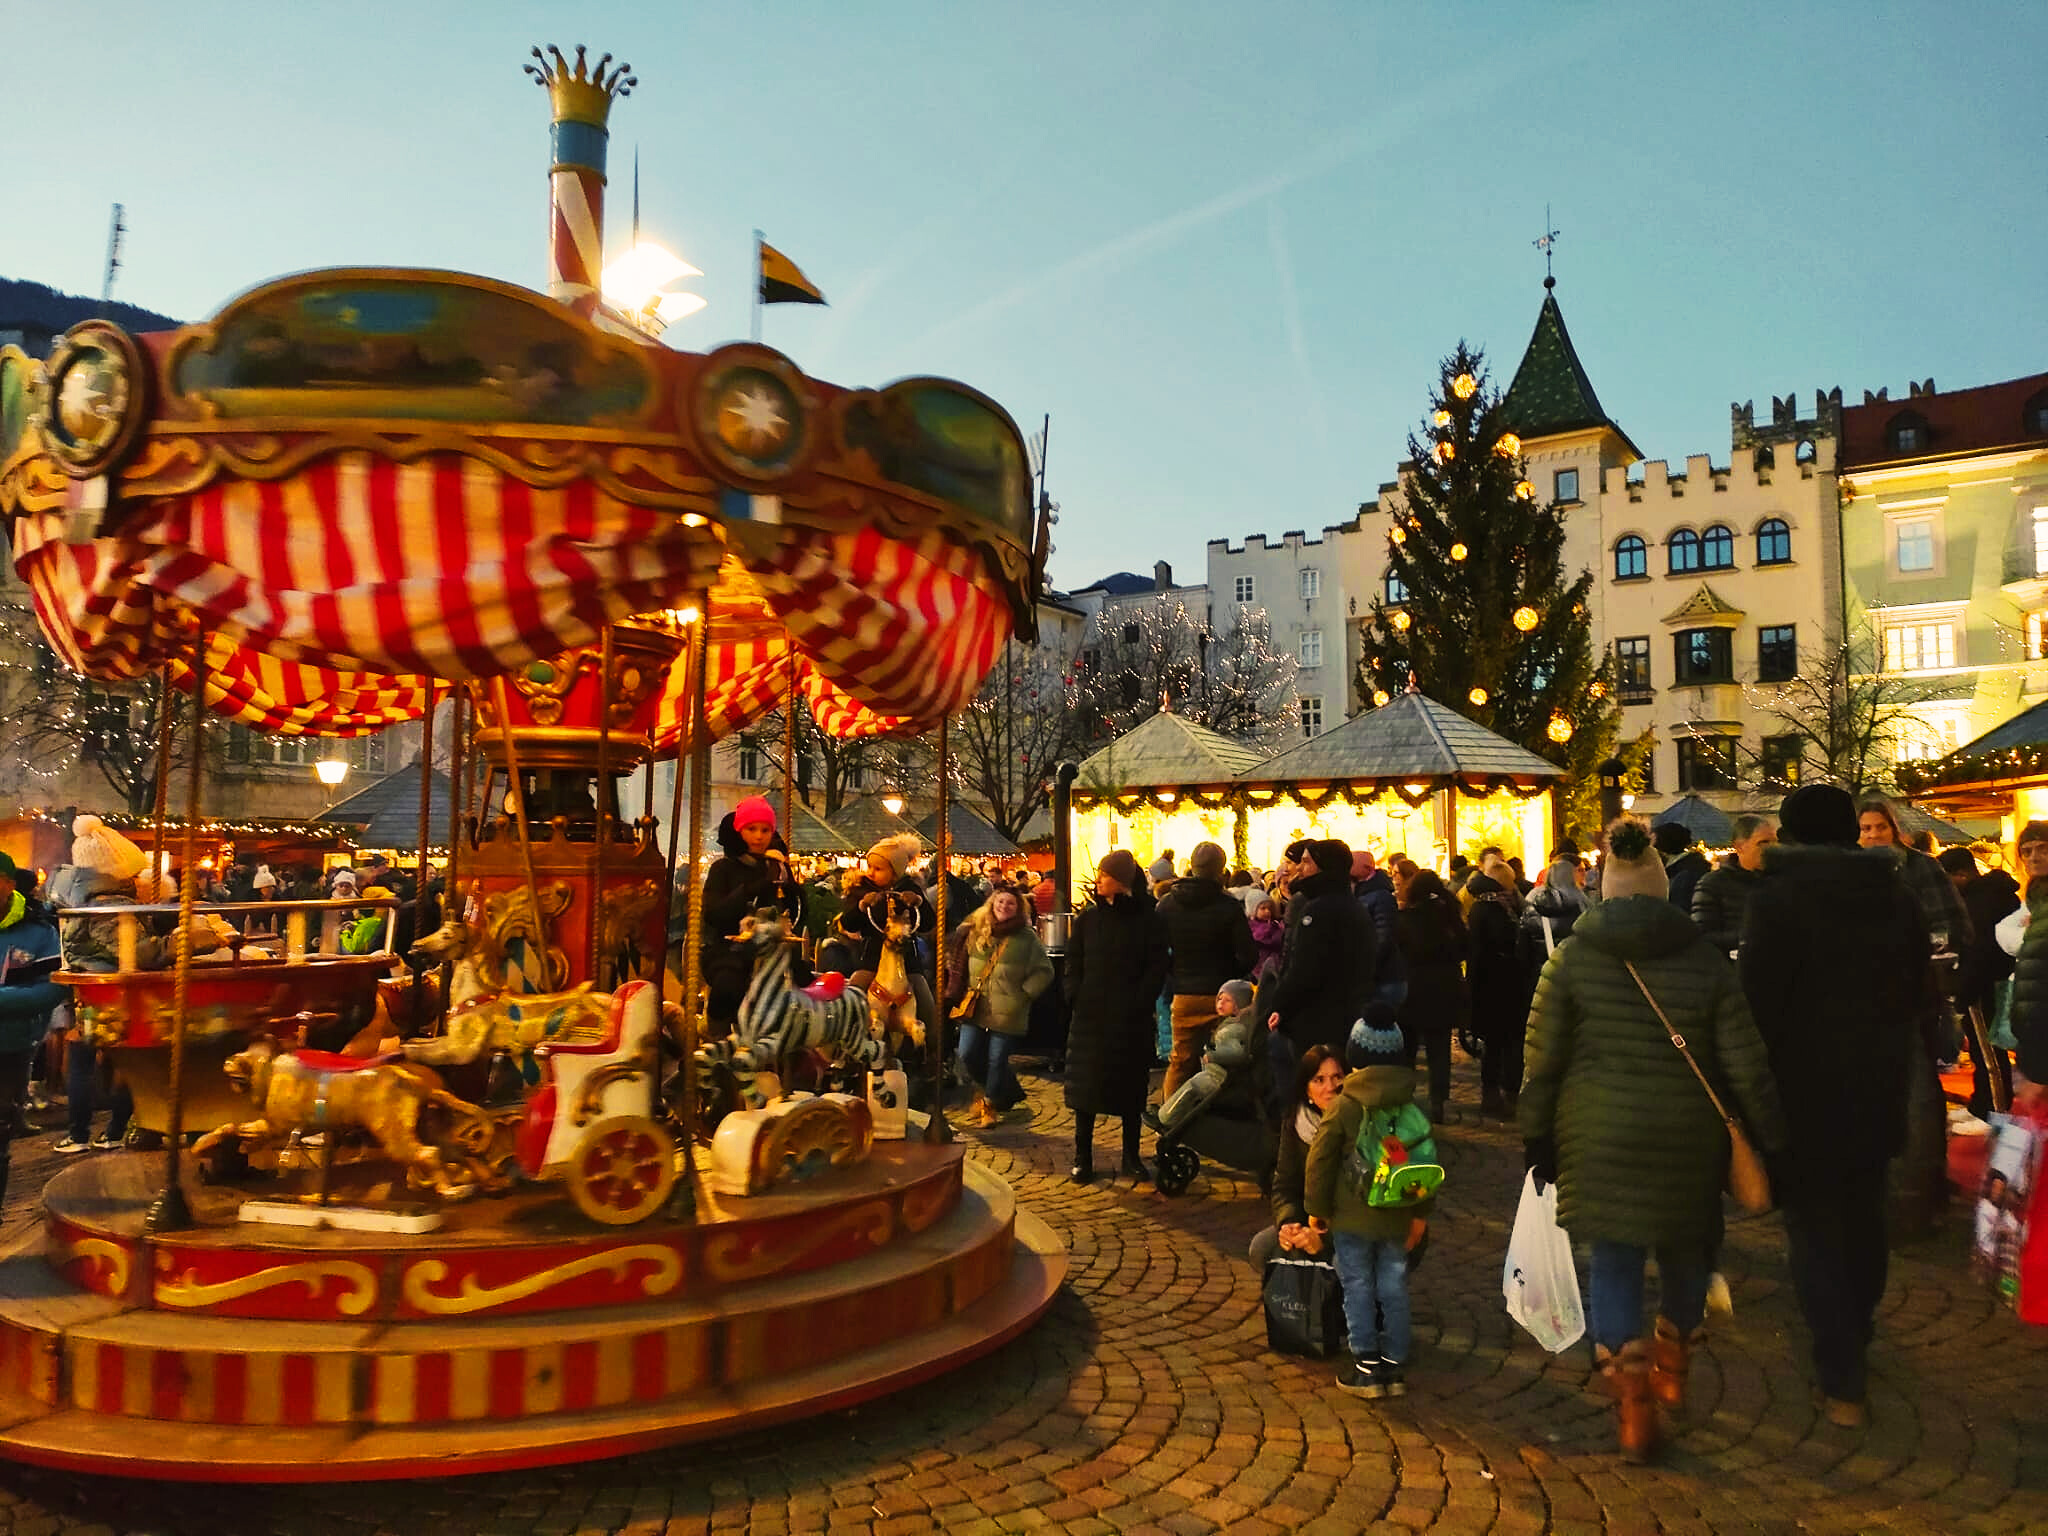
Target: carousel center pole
(936, 1128)
(172, 1212)
(458, 829)
(685, 1201)
(419, 878)
(599, 962)
(517, 785)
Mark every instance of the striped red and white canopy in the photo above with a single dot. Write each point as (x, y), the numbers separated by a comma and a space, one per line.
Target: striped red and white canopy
(331, 597)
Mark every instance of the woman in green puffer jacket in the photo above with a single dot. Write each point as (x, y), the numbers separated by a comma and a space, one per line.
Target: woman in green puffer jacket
(996, 956)
(1611, 1112)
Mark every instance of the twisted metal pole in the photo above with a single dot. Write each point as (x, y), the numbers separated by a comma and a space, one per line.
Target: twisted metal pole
(172, 1212)
(937, 1130)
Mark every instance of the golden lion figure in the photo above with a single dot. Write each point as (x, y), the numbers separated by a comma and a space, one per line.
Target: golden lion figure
(386, 1099)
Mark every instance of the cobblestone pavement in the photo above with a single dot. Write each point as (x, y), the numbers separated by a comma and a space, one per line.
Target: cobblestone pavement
(1145, 1401)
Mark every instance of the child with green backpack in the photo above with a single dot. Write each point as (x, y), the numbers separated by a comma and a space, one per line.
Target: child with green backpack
(1372, 1173)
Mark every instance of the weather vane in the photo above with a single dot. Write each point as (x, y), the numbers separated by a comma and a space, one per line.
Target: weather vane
(1544, 244)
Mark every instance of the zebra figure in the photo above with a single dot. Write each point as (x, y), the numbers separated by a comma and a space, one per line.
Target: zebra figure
(777, 1019)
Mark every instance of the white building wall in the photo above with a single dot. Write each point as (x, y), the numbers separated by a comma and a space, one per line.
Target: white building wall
(1309, 589)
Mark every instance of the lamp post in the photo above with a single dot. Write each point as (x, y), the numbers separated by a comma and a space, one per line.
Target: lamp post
(331, 770)
(1612, 772)
(892, 802)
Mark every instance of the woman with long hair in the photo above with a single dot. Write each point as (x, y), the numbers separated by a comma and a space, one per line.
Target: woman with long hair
(1317, 1083)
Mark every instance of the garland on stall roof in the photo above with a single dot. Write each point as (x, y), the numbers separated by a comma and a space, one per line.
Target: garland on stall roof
(2013, 763)
(1412, 792)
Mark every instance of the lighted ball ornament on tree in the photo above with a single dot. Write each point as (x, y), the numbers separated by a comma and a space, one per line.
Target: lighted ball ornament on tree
(1491, 625)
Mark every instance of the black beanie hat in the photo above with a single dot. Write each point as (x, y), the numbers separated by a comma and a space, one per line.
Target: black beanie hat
(1818, 814)
(1331, 856)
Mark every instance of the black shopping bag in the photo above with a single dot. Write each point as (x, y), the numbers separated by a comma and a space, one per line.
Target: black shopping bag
(1304, 1307)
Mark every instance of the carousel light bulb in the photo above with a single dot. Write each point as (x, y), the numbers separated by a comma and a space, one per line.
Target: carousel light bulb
(1459, 551)
(1508, 445)
(693, 520)
(1464, 386)
(1379, 698)
(1560, 729)
(689, 615)
(1401, 620)
(1478, 697)
(1525, 618)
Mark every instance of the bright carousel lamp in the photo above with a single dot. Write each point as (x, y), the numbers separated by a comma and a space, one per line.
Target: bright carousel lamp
(688, 615)
(636, 279)
(672, 307)
(331, 770)
(893, 803)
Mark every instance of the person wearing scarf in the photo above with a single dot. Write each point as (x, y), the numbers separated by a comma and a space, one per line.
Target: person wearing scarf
(995, 958)
(1318, 1081)
(752, 873)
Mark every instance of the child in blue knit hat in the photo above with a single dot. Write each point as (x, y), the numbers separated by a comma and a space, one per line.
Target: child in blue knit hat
(1371, 1175)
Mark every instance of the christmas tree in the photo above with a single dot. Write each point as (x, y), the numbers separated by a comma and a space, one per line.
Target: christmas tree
(1487, 620)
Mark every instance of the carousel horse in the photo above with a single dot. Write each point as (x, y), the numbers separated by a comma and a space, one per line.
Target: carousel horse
(778, 1019)
(890, 996)
(481, 1020)
(309, 1091)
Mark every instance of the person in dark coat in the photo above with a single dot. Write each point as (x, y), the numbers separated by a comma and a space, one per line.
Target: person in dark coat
(752, 872)
(2030, 970)
(1835, 963)
(1430, 931)
(1328, 959)
(1721, 898)
(1989, 897)
(1116, 965)
(28, 998)
(861, 920)
(1318, 1080)
(1684, 865)
(1499, 983)
(1212, 943)
(1613, 1115)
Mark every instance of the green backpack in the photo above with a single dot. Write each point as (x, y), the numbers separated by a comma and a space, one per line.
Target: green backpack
(1386, 1181)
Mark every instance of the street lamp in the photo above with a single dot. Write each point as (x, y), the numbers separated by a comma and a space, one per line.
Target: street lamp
(633, 285)
(331, 769)
(892, 802)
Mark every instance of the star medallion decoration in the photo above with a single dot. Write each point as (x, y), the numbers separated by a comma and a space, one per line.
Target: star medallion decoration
(751, 419)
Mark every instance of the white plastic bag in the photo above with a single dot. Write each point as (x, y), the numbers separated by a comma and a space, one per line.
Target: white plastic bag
(1540, 1281)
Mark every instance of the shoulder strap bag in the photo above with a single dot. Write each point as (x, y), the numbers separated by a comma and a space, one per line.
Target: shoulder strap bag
(1747, 1180)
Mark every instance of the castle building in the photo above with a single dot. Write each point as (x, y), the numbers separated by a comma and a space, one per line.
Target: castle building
(1945, 544)
(1311, 591)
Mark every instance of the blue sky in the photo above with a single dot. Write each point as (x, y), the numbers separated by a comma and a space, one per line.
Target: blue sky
(1224, 245)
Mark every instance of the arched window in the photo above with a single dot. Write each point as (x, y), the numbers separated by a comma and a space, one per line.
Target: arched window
(1773, 542)
(1717, 548)
(1804, 453)
(1631, 557)
(1396, 589)
(1684, 547)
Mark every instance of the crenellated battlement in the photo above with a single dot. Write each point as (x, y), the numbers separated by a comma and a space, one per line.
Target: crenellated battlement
(1786, 424)
(1654, 480)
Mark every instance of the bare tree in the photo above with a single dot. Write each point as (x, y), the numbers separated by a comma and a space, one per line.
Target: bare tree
(829, 770)
(1841, 720)
(1148, 656)
(1007, 744)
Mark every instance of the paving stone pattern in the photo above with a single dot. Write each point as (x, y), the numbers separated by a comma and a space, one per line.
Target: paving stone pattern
(1146, 1402)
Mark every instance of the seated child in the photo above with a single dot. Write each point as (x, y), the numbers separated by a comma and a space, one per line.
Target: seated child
(1372, 1132)
(1230, 1047)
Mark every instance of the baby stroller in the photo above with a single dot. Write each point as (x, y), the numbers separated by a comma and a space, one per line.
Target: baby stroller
(1232, 1127)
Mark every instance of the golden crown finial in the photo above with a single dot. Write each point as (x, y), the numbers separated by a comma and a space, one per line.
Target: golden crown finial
(582, 92)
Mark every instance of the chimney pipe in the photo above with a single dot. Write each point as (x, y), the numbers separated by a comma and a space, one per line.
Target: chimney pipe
(1162, 576)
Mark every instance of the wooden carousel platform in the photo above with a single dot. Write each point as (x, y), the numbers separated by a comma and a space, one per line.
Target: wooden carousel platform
(519, 1334)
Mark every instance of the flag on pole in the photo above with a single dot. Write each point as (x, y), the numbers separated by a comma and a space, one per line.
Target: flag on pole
(782, 282)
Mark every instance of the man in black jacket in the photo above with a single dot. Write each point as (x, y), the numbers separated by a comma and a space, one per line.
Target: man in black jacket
(1989, 899)
(1328, 962)
(1212, 944)
(1835, 962)
(1684, 864)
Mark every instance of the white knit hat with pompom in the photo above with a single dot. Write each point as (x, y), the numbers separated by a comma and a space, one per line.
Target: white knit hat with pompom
(95, 845)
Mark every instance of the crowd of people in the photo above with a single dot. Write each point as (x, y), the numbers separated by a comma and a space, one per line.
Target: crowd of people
(1810, 978)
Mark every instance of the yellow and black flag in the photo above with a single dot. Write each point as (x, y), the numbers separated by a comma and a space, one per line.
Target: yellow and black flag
(782, 282)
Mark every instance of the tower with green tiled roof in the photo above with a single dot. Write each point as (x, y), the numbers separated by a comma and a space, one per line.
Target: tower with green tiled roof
(1551, 395)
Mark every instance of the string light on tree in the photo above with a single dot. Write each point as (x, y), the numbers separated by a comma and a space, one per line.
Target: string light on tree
(1507, 445)
(1464, 386)
(1526, 618)
(1380, 697)
(1478, 696)
(1459, 552)
(1397, 534)
(1525, 490)
(1443, 418)
(1402, 621)
(1559, 730)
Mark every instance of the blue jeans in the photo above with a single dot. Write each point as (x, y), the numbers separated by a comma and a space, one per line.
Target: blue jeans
(1615, 1307)
(998, 1082)
(1374, 1274)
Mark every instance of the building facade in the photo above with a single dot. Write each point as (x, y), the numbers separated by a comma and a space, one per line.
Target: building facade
(1945, 541)
(1311, 591)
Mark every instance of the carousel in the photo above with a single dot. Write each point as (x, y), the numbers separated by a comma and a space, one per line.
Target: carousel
(475, 1206)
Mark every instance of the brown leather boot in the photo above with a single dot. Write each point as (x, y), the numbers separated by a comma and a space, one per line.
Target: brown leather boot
(1670, 1358)
(1635, 1410)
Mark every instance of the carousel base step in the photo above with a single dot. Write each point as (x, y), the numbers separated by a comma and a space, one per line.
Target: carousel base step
(76, 1350)
(78, 1440)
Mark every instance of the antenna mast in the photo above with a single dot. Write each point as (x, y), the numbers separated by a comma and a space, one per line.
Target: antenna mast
(117, 228)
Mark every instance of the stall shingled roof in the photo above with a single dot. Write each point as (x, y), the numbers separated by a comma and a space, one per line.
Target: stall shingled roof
(1166, 752)
(971, 832)
(809, 832)
(389, 810)
(865, 822)
(1706, 821)
(1411, 737)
